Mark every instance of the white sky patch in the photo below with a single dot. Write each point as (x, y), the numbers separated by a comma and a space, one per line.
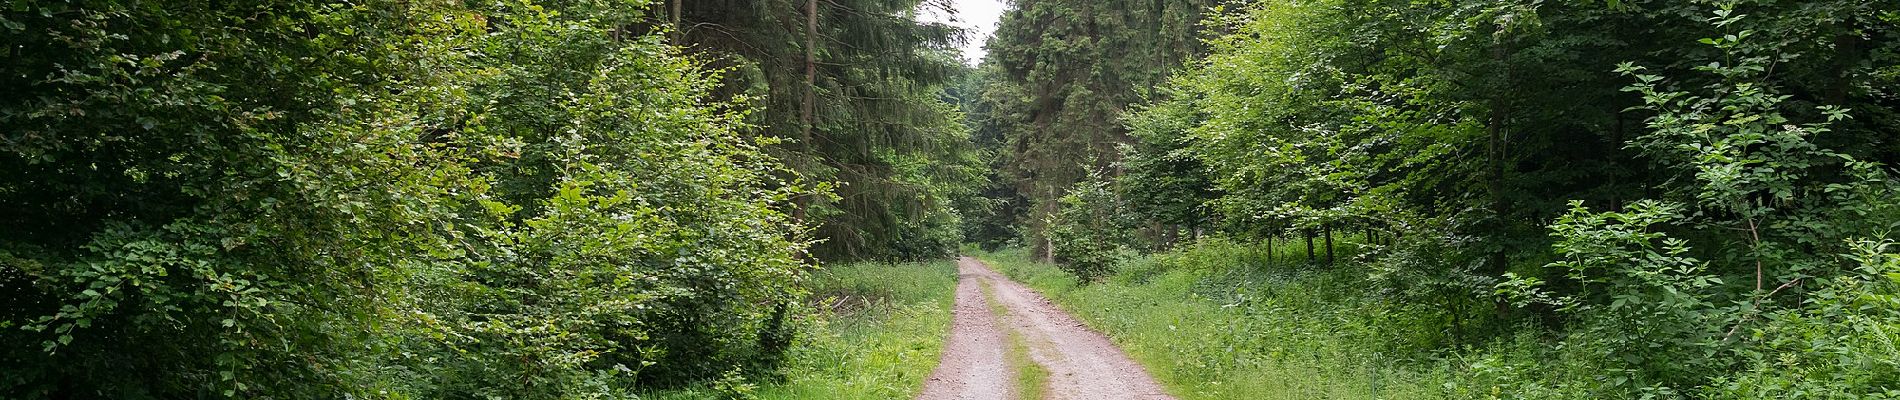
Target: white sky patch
(979, 16)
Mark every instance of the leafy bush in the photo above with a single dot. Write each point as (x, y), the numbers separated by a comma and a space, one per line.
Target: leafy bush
(1842, 344)
(1087, 234)
(1646, 307)
(1665, 324)
(869, 331)
(384, 200)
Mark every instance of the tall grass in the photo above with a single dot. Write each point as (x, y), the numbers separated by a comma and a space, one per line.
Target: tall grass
(1220, 320)
(1226, 322)
(870, 331)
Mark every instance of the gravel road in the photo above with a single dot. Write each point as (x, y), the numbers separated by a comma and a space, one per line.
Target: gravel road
(1082, 364)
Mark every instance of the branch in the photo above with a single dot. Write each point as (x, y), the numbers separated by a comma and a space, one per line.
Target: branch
(1755, 308)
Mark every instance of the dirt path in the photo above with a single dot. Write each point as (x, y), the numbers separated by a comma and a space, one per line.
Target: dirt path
(1082, 364)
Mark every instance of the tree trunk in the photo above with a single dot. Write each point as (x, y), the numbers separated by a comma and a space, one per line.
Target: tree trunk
(1309, 243)
(1495, 149)
(1194, 229)
(1457, 320)
(809, 106)
(679, 32)
(1048, 243)
(1329, 244)
(1048, 249)
(1616, 138)
(1494, 152)
(1269, 249)
(1846, 56)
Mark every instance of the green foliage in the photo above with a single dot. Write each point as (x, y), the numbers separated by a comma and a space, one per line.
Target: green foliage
(994, 213)
(877, 124)
(1255, 327)
(1061, 73)
(1839, 345)
(387, 200)
(875, 332)
(1161, 180)
(1646, 307)
(1451, 133)
(1088, 235)
(1216, 320)
(1651, 306)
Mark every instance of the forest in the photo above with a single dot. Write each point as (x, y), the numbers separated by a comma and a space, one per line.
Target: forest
(737, 199)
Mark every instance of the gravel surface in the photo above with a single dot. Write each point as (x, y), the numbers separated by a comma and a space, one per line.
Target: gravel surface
(1082, 364)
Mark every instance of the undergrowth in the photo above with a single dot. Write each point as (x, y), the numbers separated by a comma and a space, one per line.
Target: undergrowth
(1215, 331)
(1221, 320)
(870, 331)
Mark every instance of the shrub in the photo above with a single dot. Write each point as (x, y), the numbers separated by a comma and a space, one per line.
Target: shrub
(378, 199)
(1087, 233)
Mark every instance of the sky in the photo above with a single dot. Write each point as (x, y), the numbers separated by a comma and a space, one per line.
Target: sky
(979, 16)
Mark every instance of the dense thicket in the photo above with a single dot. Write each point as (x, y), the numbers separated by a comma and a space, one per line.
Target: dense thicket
(1058, 75)
(993, 214)
(376, 200)
(855, 88)
(1692, 196)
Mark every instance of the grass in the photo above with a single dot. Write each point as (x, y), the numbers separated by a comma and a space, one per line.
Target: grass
(1223, 320)
(872, 331)
(1032, 379)
(1231, 333)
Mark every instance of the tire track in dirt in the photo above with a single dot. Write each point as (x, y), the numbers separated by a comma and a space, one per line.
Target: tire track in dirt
(974, 364)
(1082, 364)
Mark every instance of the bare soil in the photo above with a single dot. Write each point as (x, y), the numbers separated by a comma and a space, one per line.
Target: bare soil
(1082, 364)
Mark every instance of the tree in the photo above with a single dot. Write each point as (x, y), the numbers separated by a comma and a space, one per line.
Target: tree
(857, 100)
(383, 199)
(1065, 72)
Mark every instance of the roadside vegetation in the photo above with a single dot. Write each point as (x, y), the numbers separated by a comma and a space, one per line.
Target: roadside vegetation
(1222, 322)
(514, 199)
(1509, 199)
(873, 331)
(1225, 320)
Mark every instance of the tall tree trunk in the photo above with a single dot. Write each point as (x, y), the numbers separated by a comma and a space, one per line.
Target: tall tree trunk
(1269, 249)
(1048, 243)
(1309, 243)
(1495, 149)
(679, 32)
(810, 104)
(1846, 55)
(1329, 244)
(1048, 249)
